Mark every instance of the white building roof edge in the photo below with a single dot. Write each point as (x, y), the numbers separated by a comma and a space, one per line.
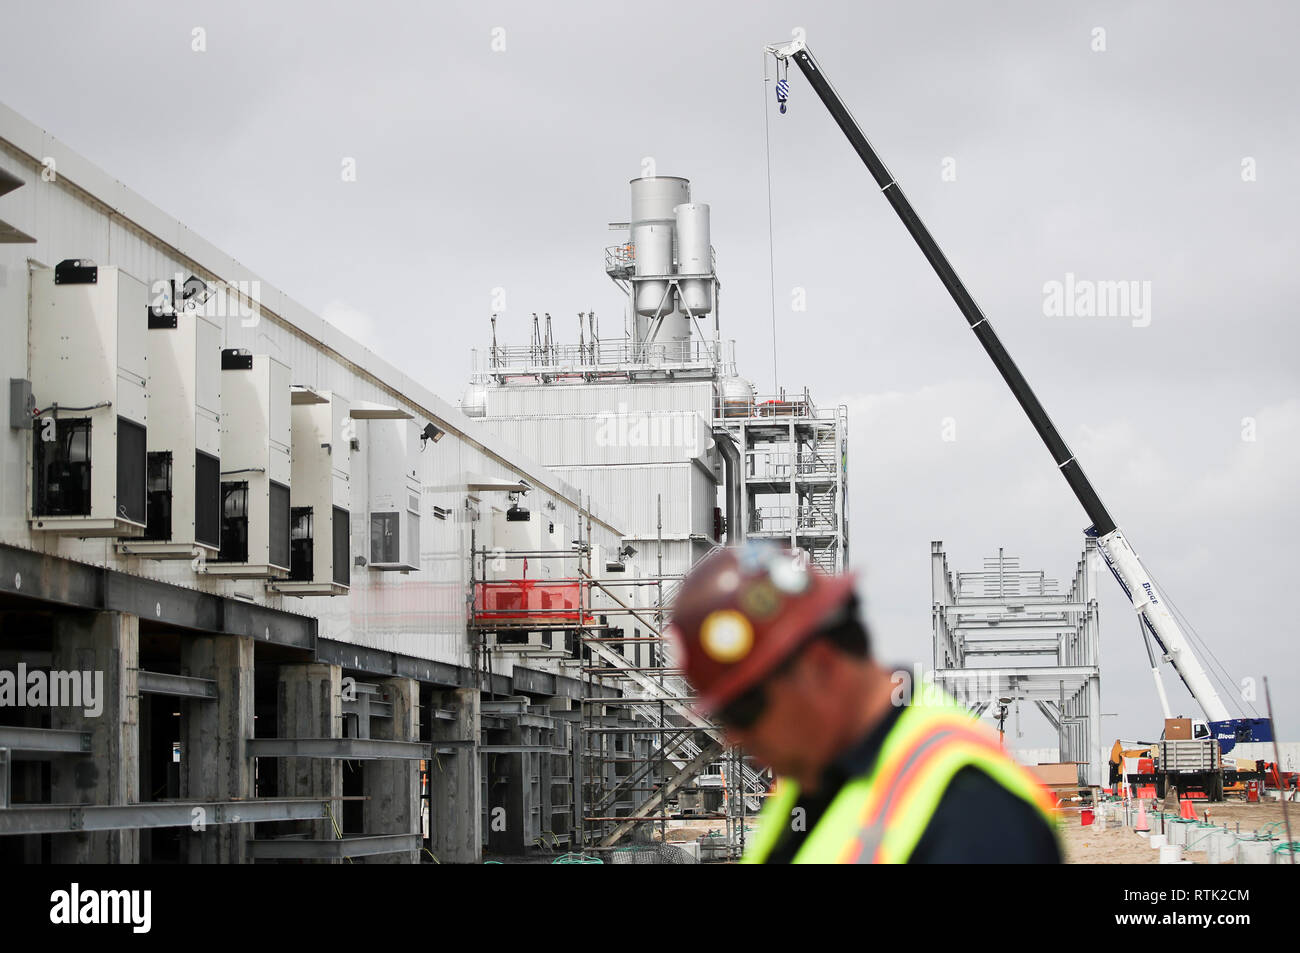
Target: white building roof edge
(73, 169)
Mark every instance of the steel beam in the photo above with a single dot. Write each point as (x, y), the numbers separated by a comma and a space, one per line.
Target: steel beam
(1050, 713)
(358, 658)
(44, 741)
(1011, 647)
(179, 686)
(1067, 672)
(66, 582)
(373, 709)
(350, 749)
(289, 848)
(65, 818)
(985, 605)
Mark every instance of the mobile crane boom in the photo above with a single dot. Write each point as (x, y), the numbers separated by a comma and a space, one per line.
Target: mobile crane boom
(1119, 555)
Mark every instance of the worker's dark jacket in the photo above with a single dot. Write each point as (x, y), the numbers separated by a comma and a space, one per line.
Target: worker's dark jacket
(978, 818)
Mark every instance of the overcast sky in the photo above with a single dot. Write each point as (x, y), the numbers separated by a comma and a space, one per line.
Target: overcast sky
(1169, 157)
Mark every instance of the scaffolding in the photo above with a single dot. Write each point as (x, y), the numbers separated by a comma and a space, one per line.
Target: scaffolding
(1003, 635)
(637, 758)
(794, 469)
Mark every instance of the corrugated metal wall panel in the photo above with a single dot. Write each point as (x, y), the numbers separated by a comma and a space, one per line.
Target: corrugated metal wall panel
(542, 400)
(664, 437)
(688, 495)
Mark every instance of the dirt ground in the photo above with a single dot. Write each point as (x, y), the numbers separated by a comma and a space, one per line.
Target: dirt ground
(679, 831)
(1088, 845)
(1117, 845)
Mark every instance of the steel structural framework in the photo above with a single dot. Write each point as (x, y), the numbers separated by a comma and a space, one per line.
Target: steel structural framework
(634, 743)
(793, 471)
(1003, 636)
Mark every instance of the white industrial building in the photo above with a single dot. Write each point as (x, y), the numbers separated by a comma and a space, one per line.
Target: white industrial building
(656, 419)
(377, 622)
(652, 415)
(260, 533)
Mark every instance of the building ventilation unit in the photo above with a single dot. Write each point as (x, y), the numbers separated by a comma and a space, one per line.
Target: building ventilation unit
(255, 468)
(320, 501)
(393, 488)
(88, 345)
(183, 473)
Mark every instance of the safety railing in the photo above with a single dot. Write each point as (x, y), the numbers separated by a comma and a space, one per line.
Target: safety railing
(780, 405)
(602, 354)
(783, 519)
(777, 466)
(620, 260)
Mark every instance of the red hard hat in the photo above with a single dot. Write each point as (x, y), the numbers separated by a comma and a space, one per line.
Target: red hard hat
(741, 612)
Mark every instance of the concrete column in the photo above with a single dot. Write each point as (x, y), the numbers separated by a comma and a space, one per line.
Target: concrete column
(27, 787)
(394, 786)
(309, 704)
(455, 795)
(147, 781)
(508, 790)
(215, 764)
(107, 646)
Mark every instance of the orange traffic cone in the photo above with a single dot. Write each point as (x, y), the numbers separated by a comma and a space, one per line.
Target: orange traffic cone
(1141, 826)
(1188, 809)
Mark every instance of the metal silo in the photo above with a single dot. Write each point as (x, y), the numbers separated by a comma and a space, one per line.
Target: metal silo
(694, 257)
(653, 223)
(654, 256)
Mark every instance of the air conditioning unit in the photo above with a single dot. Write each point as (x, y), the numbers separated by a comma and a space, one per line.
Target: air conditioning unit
(618, 571)
(255, 468)
(539, 533)
(88, 345)
(320, 501)
(183, 471)
(394, 491)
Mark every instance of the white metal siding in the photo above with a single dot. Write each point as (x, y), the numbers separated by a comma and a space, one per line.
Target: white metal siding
(421, 614)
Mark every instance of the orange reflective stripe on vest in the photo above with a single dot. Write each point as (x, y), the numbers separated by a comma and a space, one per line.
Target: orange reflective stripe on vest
(881, 817)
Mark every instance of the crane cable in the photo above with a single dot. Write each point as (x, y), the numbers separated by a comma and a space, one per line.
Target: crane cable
(771, 243)
(1227, 686)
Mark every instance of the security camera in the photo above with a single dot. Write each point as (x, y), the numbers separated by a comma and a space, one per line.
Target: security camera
(194, 292)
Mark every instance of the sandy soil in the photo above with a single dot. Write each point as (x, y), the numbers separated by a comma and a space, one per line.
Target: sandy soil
(1084, 845)
(1115, 845)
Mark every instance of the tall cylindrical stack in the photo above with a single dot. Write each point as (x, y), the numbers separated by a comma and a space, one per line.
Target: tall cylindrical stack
(694, 257)
(652, 224)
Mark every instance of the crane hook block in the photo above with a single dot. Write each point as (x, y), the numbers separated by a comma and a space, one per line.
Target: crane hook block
(782, 93)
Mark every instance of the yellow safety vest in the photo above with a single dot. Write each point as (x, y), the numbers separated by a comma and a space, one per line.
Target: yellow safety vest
(879, 818)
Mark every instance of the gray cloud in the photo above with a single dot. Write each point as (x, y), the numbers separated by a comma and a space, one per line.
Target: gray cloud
(479, 170)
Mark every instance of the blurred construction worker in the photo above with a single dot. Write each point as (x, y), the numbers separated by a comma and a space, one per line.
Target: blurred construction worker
(868, 772)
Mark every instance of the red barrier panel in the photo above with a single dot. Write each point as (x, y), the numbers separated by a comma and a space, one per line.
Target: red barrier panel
(547, 602)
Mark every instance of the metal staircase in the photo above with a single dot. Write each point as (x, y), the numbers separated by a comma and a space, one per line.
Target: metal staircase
(680, 748)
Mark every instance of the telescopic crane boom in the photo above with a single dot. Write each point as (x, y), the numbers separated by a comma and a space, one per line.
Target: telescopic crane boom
(1119, 555)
